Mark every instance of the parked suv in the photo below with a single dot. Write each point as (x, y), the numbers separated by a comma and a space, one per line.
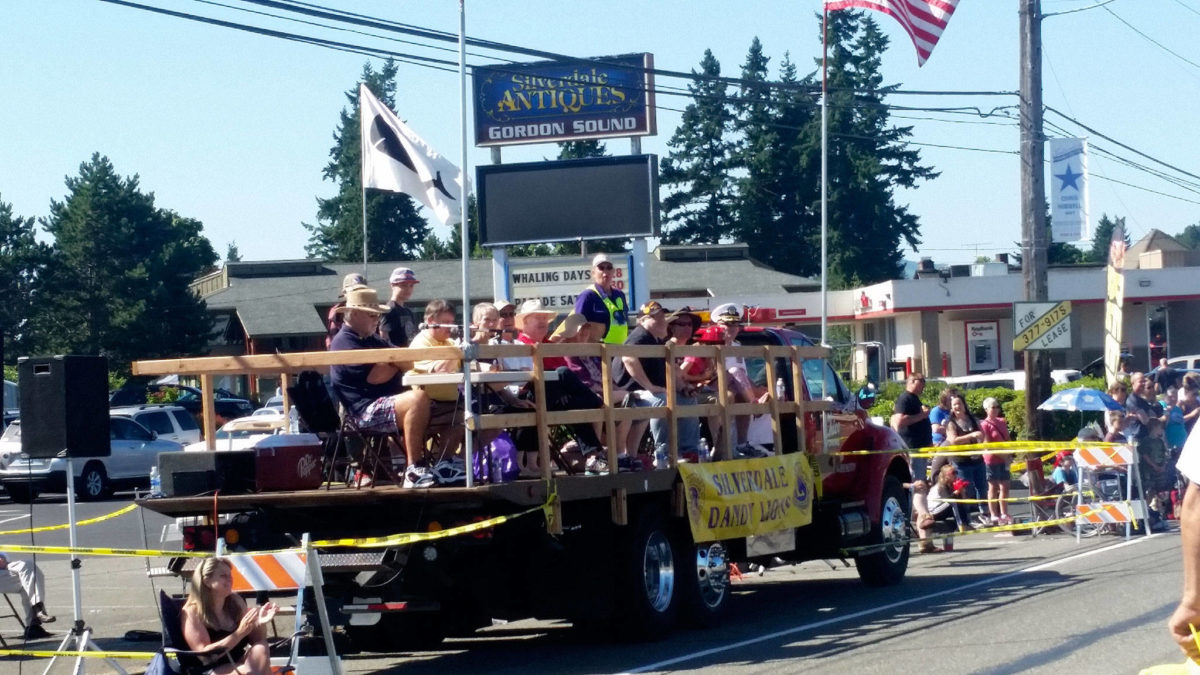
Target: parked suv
(227, 408)
(170, 422)
(134, 449)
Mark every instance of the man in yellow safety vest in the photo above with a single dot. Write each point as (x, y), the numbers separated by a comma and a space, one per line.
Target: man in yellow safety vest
(603, 302)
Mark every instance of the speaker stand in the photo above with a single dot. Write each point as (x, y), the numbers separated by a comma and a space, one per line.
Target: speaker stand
(81, 634)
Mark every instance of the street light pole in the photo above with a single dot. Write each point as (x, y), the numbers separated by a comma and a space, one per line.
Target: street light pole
(1034, 242)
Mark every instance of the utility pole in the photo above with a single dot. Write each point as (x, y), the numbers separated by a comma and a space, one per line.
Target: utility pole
(1034, 242)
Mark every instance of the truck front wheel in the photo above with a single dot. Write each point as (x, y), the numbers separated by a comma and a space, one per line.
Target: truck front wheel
(886, 561)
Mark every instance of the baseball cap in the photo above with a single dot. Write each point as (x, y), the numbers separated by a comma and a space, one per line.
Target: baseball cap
(402, 275)
(714, 334)
(600, 258)
(352, 280)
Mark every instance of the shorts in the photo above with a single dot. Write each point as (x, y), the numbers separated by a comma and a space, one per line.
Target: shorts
(445, 414)
(379, 416)
(999, 472)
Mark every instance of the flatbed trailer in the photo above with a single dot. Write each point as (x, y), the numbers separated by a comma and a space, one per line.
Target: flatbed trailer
(619, 551)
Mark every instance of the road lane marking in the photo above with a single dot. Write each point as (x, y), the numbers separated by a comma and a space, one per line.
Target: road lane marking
(923, 599)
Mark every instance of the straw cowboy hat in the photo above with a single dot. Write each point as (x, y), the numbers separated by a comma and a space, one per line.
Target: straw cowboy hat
(363, 299)
(531, 307)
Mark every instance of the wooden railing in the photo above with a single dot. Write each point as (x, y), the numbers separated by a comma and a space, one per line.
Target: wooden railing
(609, 415)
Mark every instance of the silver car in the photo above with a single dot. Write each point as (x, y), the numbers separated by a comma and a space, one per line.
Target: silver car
(134, 451)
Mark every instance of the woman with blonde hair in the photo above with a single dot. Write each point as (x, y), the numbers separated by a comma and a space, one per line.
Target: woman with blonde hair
(216, 622)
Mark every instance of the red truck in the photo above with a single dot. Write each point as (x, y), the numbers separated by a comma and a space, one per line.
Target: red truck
(617, 554)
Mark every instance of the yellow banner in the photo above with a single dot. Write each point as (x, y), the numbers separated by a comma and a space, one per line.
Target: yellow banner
(741, 497)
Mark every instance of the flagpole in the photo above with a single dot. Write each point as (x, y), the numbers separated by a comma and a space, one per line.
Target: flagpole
(362, 175)
(824, 170)
(468, 445)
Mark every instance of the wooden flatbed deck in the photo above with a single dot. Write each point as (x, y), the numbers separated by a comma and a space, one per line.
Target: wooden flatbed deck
(519, 493)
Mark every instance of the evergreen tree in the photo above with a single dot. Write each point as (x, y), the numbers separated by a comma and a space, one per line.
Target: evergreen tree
(1190, 237)
(868, 159)
(231, 252)
(119, 282)
(1102, 237)
(395, 231)
(591, 147)
(700, 207)
(23, 262)
(777, 191)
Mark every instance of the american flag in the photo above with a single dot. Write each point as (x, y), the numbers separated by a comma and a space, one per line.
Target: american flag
(923, 20)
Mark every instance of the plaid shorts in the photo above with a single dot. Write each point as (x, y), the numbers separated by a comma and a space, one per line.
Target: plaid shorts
(379, 416)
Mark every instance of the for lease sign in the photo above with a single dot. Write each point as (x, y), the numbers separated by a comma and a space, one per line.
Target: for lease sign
(1042, 325)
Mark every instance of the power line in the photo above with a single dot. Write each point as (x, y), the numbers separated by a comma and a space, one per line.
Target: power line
(1156, 43)
(1110, 139)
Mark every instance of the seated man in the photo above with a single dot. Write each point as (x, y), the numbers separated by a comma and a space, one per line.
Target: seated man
(646, 380)
(373, 392)
(25, 578)
(565, 393)
(446, 413)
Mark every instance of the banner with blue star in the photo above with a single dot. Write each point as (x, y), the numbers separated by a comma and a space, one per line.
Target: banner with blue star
(1068, 190)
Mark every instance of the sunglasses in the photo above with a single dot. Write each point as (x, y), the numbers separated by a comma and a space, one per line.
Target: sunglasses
(604, 267)
(507, 315)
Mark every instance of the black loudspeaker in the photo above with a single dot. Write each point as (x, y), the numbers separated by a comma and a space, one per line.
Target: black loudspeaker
(186, 474)
(64, 406)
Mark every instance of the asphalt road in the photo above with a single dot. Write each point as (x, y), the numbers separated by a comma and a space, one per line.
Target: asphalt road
(997, 604)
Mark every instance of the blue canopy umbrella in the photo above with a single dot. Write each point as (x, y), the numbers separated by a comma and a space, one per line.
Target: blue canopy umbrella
(1080, 399)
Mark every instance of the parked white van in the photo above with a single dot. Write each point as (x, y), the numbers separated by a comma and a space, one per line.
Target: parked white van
(1008, 379)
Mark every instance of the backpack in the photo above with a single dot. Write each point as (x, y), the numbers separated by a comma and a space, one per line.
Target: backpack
(311, 399)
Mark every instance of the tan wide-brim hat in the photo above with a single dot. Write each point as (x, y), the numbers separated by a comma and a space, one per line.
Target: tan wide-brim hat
(363, 299)
(532, 307)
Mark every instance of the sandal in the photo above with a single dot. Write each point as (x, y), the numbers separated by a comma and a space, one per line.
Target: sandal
(928, 547)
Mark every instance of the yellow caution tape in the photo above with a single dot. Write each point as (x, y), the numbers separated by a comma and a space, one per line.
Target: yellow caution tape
(1034, 498)
(415, 537)
(118, 552)
(89, 521)
(86, 655)
(971, 449)
(982, 530)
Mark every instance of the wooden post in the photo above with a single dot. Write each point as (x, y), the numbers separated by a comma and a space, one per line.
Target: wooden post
(287, 398)
(771, 378)
(610, 426)
(801, 411)
(1034, 246)
(539, 395)
(725, 444)
(672, 418)
(209, 419)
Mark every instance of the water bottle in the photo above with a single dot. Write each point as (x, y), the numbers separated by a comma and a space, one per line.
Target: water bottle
(780, 390)
(155, 482)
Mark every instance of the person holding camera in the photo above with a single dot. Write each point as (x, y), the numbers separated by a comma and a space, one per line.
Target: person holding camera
(446, 410)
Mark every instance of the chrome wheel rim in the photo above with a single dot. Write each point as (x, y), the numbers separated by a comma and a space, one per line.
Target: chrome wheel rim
(712, 574)
(892, 521)
(658, 571)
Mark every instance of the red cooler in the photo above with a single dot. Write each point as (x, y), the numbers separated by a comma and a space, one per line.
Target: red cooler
(288, 462)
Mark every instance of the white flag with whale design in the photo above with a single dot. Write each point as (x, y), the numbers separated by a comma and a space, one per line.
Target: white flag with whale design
(396, 159)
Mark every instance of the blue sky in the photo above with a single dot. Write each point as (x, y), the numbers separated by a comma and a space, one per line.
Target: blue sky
(234, 129)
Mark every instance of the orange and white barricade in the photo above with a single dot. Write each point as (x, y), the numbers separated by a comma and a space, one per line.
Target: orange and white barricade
(288, 570)
(1091, 459)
